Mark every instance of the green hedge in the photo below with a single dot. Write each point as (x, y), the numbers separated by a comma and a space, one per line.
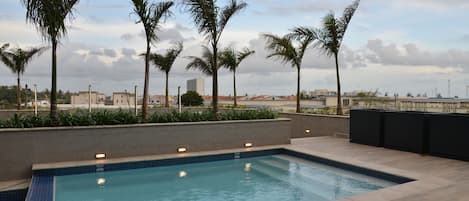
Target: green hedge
(106, 117)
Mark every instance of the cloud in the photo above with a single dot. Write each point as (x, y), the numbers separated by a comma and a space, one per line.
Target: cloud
(127, 36)
(284, 8)
(412, 55)
(171, 34)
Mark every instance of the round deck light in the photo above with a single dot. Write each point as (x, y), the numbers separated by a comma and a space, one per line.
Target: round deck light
(248, 144)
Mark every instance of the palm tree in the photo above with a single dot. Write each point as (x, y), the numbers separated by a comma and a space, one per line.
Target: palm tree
(165, 63)
(330, 37)
(150, 15)
(49, 17)
(204, 63)
(17, 59)
(231, 59)
(211, 20)
(282, 48)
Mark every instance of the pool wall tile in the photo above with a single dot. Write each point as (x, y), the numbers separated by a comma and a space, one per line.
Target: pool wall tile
(13, 195)
(41, 189)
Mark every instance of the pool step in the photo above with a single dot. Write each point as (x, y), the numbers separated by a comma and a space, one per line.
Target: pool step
(349, 185)
(325, 187)
(318, 190)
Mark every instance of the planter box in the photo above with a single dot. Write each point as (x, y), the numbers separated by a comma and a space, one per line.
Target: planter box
(449, 135)
(366, 127)
(405, 131)
(20, 148)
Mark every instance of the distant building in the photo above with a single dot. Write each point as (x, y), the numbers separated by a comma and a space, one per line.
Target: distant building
(123, 99)
(160, 100)
(40, 103)
(197, 85)
(322, 92)
(82, 98)
(434, 104)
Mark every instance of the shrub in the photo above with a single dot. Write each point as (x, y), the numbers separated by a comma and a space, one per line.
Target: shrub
(192, 98)
(106, 117)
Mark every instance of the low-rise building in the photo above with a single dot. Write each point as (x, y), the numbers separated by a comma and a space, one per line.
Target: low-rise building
(123, 99)
(83, 98)
(322, 92)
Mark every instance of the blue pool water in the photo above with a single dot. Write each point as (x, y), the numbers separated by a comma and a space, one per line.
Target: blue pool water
(267, 178)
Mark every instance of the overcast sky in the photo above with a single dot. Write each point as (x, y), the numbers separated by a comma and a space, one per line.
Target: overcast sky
(396, 46)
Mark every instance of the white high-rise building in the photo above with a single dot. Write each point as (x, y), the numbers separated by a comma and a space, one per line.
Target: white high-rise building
(197, 85)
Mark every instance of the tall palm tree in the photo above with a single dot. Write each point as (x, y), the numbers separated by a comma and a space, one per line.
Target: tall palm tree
(164, 62)
(16, 60)
(231, 59)
(283, 48)
(203, 63)
(330, 37)
(49, 17)
(150, 15)
(211, 20)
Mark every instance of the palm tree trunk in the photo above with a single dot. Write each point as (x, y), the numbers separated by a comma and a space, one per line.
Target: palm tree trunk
(339, 94)
(166, 103)
(53, 92)
(298, 109)
(234, 88)
(18, 92)
(215, 80)
(147, 78)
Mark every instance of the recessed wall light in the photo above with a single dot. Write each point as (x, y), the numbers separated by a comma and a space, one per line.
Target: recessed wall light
(307, 131)
(100, 156)
(182, 149)
(248, 144)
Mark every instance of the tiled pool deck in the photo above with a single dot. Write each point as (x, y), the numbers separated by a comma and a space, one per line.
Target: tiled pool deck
(437, 178)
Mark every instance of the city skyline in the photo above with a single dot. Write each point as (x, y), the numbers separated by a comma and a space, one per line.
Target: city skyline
(388, 47)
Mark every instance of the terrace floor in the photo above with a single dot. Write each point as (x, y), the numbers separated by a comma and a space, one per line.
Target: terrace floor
(437, 179)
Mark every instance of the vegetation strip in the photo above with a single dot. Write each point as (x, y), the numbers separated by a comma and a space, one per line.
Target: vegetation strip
(106, 117)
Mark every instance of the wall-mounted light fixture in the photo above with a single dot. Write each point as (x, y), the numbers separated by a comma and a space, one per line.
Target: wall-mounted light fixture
(182, 149)
(307, 131)
(248, 144)
(100, 156)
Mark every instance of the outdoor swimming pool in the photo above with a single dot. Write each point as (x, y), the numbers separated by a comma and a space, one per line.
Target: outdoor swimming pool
(274, 177)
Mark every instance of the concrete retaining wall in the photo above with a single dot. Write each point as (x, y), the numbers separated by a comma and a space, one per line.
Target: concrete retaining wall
(319, 125)
(20, 148)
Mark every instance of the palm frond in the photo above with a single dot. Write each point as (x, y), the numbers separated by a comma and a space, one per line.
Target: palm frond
(151, 15)
(204, 13)
(16, 59)
(49, 16)
(281, 48)
(165, 62)
(204, 63)
(227, 12)
(228, 59)
(245, 53)
(344, 21)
